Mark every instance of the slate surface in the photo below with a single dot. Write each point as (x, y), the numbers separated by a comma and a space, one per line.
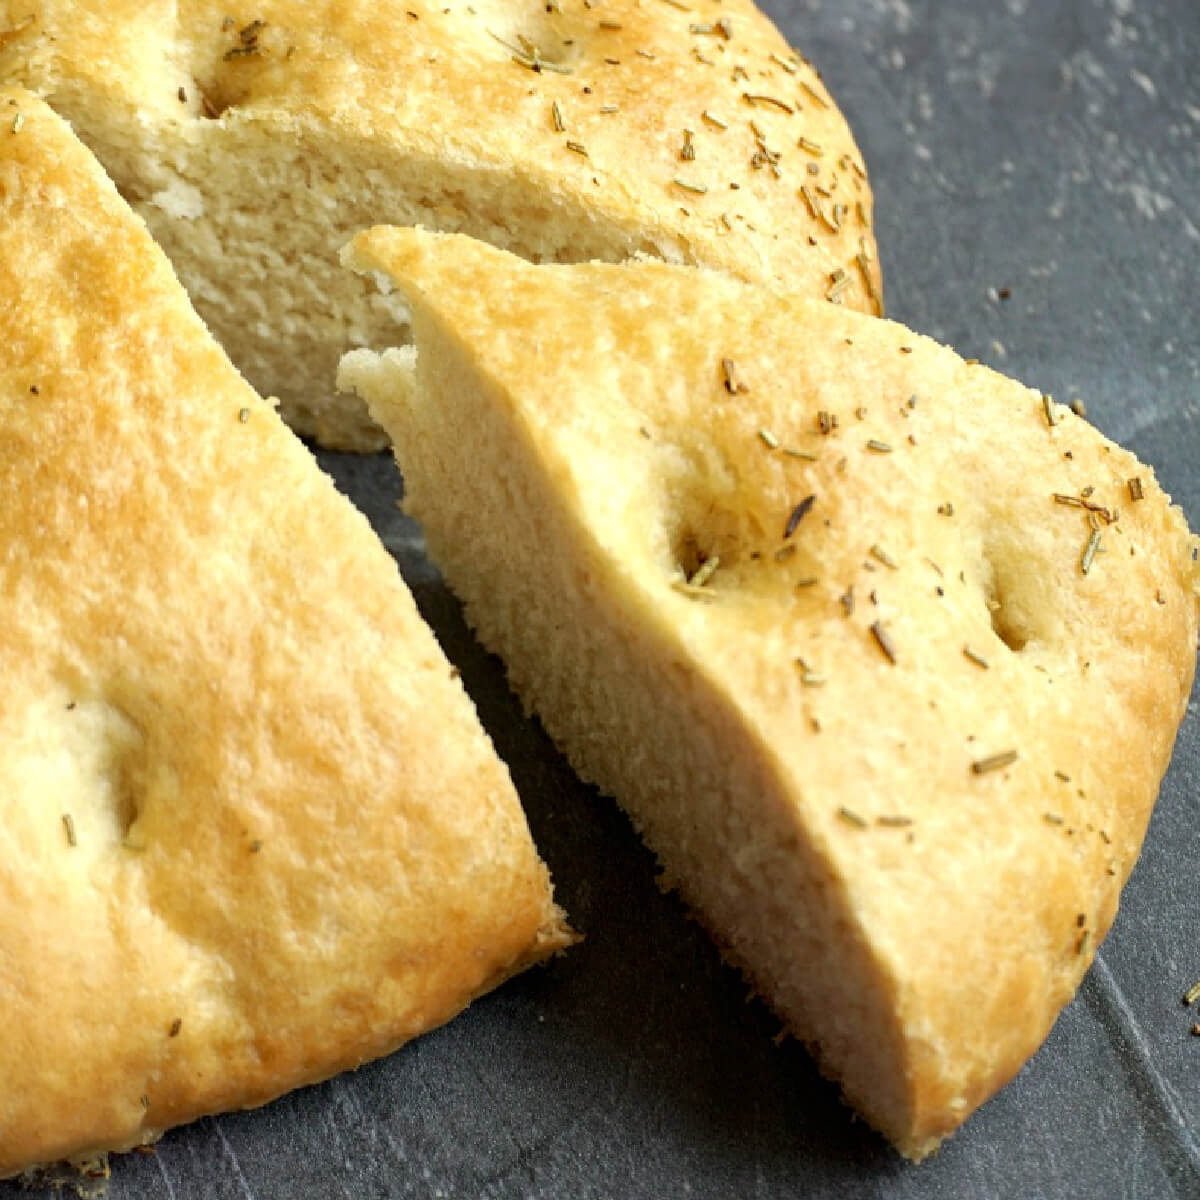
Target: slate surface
(1048, 147)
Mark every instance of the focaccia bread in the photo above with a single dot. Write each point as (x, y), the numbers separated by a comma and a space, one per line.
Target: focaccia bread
(883, 653)
(251, 832)
(256, 137)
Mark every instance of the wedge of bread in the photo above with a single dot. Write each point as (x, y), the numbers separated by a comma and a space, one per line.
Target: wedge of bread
(254, 138)
(883, 653)
(252, 832)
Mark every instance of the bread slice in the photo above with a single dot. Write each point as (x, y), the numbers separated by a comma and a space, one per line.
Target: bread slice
(251, 832)
(255, 138)
(883, 653)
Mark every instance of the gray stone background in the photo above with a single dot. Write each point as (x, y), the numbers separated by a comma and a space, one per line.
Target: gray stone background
(1047, 147)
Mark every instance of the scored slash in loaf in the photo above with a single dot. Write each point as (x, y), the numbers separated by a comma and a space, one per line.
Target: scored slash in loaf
(255, 138)
(251, 832)
(883, 653)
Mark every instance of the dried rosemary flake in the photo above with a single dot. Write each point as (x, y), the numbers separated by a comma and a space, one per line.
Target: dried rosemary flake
(946, 510)
(713, 120)
(861, 211)
(527, 56)
(678, 4)
(1070, 501)
(69, 826)
(975, 657)
(863, 262)
(721, 28)
(789, 67)
(798, 514)
(807, 582)
(577, 148)
(1136, 492)
(705, 571)
(609, 108)
(611, 25)
(894, 822)
(851, 817)
(17, 122)
(1049, 409)
(878, 552)
(697, 189)
(994, 762)
(687, 152)
(1052, 818)
(243, 415)
(1089, 552)
(732, 378)
(810, 678)
(883, 640)
(792, 452)
(1081, 942)
(556, 115)
(879, 447)
(808, 87)
(846, 600)
(827, 422)
(814, 205)
(1192, 994)
(839, 282)
(813, 148)
(784, 553)
(176, 1026)
(1062, 776)
(758, 98)
(769, 439)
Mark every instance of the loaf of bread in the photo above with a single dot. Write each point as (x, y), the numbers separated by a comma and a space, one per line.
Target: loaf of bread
(251, 832)
(255, 138)
(883, 653)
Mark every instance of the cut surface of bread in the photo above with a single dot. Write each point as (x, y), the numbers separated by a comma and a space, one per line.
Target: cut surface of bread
(255, 138)
(883, 653)
(252, 832)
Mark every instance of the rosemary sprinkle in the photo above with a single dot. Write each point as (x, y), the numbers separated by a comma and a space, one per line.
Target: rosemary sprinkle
(798, 514)
(975, 657)
(69, 825)
(994, 762)
(1192, 994)
(705, 571)
(1089, 551)
(757, 98)
(851, 817)
(883, 640)
(732, 379)
(1135, 488)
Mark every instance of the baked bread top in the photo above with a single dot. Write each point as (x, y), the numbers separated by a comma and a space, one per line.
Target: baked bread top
(255, 139)
(899, 736)
(251, 832)
(694, 126)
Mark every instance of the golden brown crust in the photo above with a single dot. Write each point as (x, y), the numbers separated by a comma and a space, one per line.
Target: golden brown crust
(561, 131)
(946, 649)
(252, 831)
